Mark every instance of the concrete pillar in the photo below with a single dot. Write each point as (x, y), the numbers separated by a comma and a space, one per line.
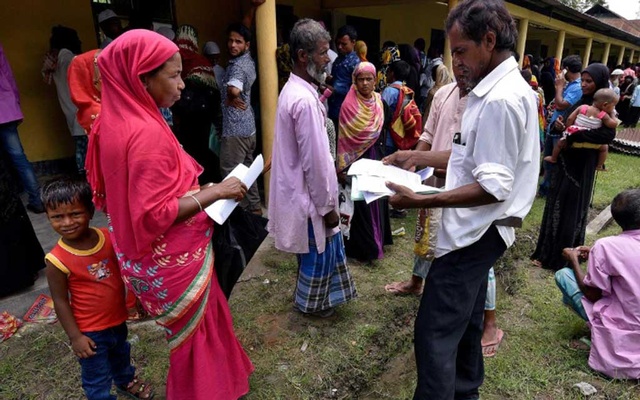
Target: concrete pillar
(633, 54)
(621, 55)
(268, 72)
(560, 46)
(587, 52)
(605, 54)
(447, 44)
(523, 29)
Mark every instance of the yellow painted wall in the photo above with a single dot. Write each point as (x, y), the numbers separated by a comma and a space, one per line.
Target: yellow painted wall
(403, 23)
(304, 8)
(25, 27)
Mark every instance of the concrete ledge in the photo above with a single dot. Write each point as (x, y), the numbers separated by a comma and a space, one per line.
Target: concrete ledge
(600, 221)
(17, 304)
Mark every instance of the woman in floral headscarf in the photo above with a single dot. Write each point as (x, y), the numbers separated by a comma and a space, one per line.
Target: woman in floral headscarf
(361, 120)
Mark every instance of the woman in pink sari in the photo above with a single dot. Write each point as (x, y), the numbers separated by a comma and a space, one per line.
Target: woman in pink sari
(148, 186)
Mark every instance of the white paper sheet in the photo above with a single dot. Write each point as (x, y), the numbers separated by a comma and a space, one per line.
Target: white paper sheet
(373, 184)
(363, 167)
(356, 194)
(221, 209)
(371, 197)
(425, 173)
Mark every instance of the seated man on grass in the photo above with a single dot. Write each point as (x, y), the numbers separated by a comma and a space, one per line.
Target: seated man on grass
(608, 295)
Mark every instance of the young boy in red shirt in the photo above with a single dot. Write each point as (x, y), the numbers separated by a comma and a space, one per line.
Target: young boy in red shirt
(89, 294)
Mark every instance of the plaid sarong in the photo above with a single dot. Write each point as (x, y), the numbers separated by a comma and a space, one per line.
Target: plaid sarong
(324, 280)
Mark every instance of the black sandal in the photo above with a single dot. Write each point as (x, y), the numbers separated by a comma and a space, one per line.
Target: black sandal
(136, 389)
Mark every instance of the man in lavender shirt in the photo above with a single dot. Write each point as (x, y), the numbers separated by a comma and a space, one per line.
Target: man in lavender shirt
(10, 117)
(608, 295)
(303, 201)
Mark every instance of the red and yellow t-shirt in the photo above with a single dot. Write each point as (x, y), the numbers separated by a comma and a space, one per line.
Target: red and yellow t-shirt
(97, 293)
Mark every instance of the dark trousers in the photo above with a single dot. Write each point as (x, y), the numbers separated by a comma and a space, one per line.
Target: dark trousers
(634, 116)
(448, 327)
(111, 363)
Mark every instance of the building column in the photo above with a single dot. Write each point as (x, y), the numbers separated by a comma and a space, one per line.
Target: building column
(447, 44)
(605, 54)
(268, 72)
(633, 54)
(523, 29)
(560, 46)
(587, 52)
(621, 55)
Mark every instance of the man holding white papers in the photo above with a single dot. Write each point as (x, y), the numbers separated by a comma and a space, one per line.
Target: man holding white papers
(303, 198)
(492, 172)
(445, 119)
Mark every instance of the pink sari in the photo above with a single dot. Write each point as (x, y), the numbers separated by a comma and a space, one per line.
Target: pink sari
(138, 172)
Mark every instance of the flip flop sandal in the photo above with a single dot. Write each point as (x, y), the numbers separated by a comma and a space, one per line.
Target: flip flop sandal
(136, 389)
(394, 289)
(491, 349)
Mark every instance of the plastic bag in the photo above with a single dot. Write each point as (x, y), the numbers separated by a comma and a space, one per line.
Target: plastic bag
(346, 210)
(8, 325)
(234, 244)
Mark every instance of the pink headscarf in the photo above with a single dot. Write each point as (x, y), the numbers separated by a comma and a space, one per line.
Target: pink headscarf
(135, 165)
(360, 120)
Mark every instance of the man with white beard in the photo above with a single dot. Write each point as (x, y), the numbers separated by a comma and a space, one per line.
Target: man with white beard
(303, 201)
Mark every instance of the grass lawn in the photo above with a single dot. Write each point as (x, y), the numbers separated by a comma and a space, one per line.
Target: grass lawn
(366, 351)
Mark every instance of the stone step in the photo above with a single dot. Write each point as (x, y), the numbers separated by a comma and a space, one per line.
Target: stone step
(18, 303)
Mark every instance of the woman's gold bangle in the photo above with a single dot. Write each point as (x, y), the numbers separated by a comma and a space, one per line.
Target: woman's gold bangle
(197, 201)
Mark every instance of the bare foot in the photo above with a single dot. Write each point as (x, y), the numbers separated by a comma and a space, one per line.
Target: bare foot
(404, 288)
(550, 159)
(536, 263)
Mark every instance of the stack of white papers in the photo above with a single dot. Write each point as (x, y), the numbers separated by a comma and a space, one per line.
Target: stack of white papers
(369, 180)
(221, 209)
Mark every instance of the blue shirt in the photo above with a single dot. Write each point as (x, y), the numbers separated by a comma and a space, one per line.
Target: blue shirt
(241, 73)
(342, 72)
(390, 95)
(635, 99)
(571, 94)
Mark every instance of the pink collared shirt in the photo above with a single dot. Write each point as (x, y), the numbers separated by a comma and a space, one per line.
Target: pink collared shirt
(9, 96)
(447, 109)
(445, 119)
(303, 185)
(614, 268)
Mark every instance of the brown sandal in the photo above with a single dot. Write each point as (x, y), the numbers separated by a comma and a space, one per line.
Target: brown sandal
(136, 389)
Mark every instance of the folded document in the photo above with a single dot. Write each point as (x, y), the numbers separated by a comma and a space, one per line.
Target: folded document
(221, 209)
(369, 180)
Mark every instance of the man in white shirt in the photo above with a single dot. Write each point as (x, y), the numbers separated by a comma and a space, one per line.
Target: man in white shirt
(492, 172)
(212, 52)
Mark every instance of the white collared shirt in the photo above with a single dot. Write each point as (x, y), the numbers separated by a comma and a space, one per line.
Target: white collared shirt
(499, 149)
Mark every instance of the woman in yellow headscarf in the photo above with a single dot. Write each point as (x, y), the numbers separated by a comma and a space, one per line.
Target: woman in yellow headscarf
(361, 50)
